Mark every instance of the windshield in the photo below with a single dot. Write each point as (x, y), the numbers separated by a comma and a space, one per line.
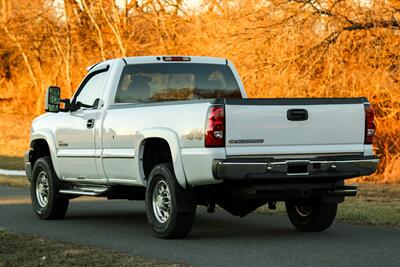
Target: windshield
(148, 83)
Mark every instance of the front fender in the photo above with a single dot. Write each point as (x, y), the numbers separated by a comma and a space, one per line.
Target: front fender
(174, 145)
(48, 136)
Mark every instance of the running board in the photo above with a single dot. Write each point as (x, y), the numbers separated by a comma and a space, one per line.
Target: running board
(85, 191)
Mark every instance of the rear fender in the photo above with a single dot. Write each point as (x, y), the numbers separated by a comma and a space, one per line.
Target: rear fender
(173, 142)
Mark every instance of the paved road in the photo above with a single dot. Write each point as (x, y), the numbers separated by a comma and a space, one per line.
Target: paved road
(217, 239)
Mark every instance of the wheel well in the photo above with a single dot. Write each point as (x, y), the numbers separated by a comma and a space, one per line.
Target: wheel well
(40, 148)
(156, 151)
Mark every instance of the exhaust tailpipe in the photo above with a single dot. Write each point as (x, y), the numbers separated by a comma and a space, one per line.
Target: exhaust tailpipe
(305, 193)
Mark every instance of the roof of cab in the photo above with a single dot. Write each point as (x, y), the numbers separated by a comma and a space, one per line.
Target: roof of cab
(159, 59)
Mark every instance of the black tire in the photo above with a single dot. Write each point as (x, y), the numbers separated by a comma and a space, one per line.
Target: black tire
(179, 204)
(56, 205)
(311, 216)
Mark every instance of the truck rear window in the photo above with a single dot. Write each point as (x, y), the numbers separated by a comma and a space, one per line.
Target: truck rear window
(146, 83)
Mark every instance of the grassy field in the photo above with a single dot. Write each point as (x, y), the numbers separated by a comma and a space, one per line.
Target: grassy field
(20, 250)
(19, 181)
(375, 204)
(11, 163)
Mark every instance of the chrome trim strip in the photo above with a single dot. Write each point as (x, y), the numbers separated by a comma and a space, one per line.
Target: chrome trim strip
(118, 153)
(297, 173)
(243, 163)
(293, 156)
(109, 156)
(132, 181)
(78, 156)
(348, 161)
(77, 153)
(305, 161)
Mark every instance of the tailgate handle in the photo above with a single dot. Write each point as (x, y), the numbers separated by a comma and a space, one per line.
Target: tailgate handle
(297, 115)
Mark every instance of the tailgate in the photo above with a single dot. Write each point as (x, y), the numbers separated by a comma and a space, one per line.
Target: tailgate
(294, 126)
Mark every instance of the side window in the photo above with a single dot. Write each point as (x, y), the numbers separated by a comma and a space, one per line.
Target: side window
(91, 91)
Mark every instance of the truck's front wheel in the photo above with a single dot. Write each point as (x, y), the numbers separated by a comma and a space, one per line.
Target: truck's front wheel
(46, 201)
(311, 215)
(170, 208)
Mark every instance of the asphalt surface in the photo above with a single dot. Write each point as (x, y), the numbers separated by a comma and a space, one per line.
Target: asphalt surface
(217, 239)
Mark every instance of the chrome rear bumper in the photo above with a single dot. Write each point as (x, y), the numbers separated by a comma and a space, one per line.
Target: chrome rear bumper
(319, 168)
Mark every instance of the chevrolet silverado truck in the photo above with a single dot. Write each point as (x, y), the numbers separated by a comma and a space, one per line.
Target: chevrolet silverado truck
(179, 132)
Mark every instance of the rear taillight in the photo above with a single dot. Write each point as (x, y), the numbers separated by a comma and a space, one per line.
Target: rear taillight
(215, 127)
(369, 124)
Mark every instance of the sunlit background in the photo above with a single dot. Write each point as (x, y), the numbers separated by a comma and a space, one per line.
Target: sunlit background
(281, 48)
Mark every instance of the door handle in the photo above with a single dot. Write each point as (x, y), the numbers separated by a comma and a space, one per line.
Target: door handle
(297, 115)
(90, 123)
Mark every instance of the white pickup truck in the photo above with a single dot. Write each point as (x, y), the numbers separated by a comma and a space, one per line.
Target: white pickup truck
(179, 131)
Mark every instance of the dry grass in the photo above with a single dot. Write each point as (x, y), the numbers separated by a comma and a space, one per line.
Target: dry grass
(18, 181)
(373, 205)
(11, 163)
(22, 250)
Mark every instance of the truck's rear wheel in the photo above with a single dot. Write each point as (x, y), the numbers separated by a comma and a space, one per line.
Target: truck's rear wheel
(46, 201)
(170, 208)
(311, 215)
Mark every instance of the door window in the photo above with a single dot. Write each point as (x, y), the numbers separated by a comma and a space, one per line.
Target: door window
(90, 93)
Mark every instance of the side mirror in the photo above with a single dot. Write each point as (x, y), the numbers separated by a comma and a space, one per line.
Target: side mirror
(52, 101)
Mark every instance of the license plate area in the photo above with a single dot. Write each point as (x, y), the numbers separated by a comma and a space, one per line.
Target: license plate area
(297, 168)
